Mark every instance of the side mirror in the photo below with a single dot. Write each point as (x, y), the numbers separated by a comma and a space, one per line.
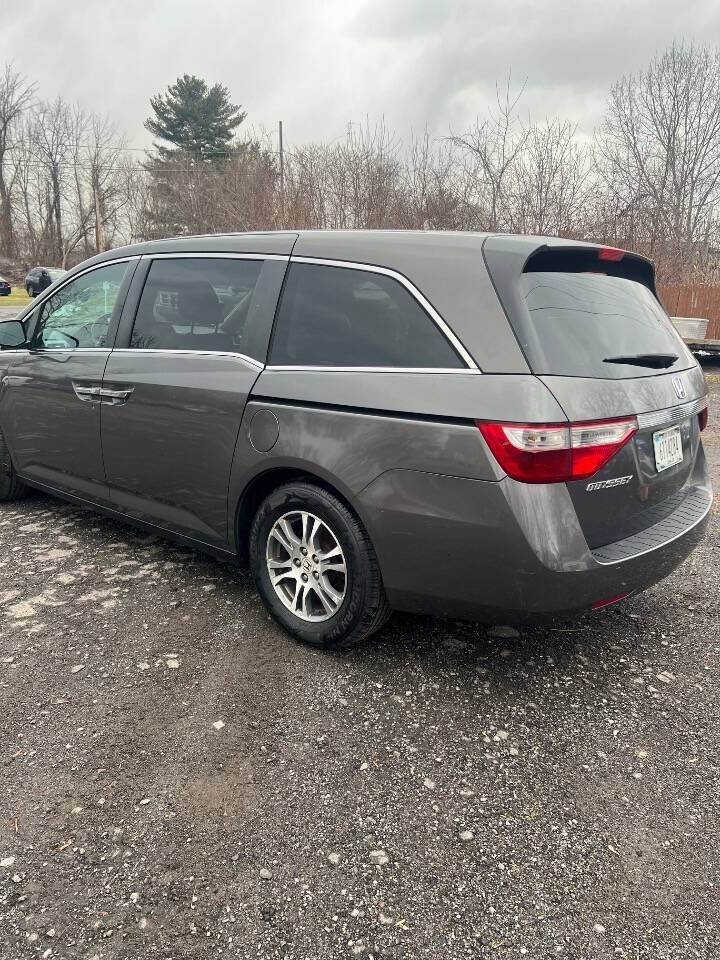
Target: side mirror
(12, 334)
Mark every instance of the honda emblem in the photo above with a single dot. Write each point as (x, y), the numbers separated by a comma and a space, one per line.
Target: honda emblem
(679, 388)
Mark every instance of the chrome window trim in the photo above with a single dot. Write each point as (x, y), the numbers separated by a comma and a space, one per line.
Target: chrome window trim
(46, 294)
(177, 255)
(36, 351)
(41, 351)
(196, 353)
(412, 290)
(307, 368)
(671, 415)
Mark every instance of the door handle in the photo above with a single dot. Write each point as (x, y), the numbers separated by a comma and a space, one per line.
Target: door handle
(115, 396)
(87, 394)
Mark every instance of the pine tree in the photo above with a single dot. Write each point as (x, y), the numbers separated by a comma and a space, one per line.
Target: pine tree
(197, 120)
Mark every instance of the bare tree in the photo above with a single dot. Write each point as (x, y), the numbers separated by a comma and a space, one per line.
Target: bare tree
(350, 184)
(52, 137)
(249, 198)
(134, 187)
(15, 97)
(33, 209)
(658, 155)
(70, 183)
(104, 178)
(437, 193)
(492, 148)
(549, 185)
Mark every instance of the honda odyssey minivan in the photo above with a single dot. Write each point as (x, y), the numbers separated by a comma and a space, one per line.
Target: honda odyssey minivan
(472, 425)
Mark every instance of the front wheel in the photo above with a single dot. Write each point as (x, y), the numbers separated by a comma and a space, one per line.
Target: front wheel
(11, 488)
(315, 567)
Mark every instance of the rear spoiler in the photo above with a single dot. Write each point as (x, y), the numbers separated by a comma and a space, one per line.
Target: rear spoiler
(583, 258)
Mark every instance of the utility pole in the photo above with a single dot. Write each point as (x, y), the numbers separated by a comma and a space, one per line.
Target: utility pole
(282, 175)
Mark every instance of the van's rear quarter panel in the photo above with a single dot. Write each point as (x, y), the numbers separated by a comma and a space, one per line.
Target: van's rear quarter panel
(457, 547)
(350, 427)
(349, 450)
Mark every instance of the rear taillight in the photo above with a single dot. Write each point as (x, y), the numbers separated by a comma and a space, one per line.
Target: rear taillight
(703, 418)
(556, 452)
(610, 253)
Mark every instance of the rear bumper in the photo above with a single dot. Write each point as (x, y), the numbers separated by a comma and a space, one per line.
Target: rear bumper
(457, 547)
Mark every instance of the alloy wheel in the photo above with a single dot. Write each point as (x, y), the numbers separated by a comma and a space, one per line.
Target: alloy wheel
(306, 566)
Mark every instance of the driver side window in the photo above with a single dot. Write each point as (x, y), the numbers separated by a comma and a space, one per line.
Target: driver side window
(79, 314)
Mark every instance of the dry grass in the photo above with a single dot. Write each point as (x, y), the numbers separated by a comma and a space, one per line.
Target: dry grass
(18, 298)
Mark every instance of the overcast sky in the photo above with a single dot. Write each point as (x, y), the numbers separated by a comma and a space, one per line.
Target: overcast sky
(318, 65)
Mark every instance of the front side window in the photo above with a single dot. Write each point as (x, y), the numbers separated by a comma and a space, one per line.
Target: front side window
(198, 303)
(343, 317)
(79, 314)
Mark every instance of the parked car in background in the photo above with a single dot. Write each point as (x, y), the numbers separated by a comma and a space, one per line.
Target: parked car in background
(5, 287)
(40, 278)
(460, 424)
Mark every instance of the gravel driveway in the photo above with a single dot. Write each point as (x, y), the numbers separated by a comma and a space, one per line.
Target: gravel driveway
(180, 780)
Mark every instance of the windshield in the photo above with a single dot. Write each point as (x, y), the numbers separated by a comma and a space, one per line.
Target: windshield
(593, 325)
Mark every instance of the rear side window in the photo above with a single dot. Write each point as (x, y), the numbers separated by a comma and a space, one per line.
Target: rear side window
(197, 303)
(576, 316)
(342, 317)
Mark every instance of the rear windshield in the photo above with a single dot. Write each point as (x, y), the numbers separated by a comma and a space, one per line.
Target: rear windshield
(589, 324)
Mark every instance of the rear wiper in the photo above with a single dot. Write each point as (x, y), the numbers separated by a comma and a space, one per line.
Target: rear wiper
(658, 360)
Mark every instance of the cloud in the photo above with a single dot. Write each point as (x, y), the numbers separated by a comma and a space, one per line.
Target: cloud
(318, 65)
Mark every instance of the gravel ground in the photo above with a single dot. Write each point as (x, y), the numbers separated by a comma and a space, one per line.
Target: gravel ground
(180, 780)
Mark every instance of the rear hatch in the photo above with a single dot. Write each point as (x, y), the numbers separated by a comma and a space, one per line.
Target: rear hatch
(592, 329)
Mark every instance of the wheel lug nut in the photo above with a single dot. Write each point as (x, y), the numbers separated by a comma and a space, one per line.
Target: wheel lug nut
(314, 559)
(304, 576)
(296, 562)
(303, 551)
(316, 575)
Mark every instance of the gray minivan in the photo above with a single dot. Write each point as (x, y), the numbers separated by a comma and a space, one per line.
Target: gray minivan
(460, 424)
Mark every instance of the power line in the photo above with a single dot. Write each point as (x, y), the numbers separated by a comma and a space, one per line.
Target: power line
(72, 165)
(187, 153)
(163, 166)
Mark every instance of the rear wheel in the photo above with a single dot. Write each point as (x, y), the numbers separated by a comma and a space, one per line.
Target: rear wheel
(11, 488)
(315, 567)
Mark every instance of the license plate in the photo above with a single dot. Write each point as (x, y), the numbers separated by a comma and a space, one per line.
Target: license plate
(668, 448)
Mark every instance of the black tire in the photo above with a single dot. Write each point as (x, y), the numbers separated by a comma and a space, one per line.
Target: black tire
(11, 488)
(364, 608)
